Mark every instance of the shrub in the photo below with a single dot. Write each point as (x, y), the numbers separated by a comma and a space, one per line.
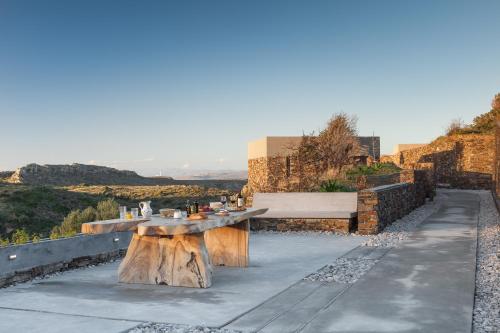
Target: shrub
(374, 169)
(107, 210)
(335, 186)
(20, 236)
(4, 242)
(73, 221)
(36, 238)
(55, 233)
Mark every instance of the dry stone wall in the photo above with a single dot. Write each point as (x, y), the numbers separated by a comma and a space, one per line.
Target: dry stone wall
(459, 161)
(341, 226)
(380, 206)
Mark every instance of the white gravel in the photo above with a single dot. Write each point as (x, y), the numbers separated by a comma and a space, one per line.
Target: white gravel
(400, 229)
(486, 316)
(343, 270)
(173, 328)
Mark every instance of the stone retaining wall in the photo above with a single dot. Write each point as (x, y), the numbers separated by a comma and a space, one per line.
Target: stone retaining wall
(19, 263)
(380, 206)
(463, 161)
(341, 226)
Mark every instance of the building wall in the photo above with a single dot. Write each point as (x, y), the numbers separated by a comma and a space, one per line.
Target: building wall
(407, 146)
(272, 167)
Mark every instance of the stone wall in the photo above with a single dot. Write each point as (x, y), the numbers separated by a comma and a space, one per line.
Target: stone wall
(380, 206)
(496, 162)
(459, 161)
(281, 172)
(342, 226)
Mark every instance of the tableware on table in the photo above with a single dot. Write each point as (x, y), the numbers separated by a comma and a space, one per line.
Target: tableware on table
(146, 209)
(216, 205)
(128, 216)
(167, 212)
(135, 213)
(177, 214)
(235, 209)
(222, 212)
(223, 200)
(197, 217)
(184, 214)
(123, 212)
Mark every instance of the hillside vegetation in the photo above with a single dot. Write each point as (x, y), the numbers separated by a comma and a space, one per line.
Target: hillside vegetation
(37, 209)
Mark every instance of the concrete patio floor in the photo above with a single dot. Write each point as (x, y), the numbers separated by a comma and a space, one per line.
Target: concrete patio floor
(91, 300)
(424, 284)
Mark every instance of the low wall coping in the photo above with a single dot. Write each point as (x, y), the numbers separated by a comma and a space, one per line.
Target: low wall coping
(385, 187)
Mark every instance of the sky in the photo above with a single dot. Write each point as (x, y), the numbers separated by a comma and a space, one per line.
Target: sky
(166, 85)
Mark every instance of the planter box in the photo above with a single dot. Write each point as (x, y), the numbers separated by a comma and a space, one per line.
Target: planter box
(23, 262)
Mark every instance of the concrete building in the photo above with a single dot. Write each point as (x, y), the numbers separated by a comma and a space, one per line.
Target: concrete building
(407, 146)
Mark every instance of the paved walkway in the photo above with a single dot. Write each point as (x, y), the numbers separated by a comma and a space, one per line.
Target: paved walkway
(424, 285)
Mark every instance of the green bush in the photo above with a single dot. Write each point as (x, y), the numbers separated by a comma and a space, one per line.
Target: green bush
(20, 236)
(4, 242)
(72, 224)
(107, 210)
(335, 186)
(73, 221)
(36, 238)
(55, 233)
(374, 169)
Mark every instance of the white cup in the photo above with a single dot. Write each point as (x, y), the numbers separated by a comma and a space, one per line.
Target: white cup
(177, 214)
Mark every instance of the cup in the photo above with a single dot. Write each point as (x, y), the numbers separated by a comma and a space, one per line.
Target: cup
(135, 213)
(177, 214)
(184, 214)
(123, 212)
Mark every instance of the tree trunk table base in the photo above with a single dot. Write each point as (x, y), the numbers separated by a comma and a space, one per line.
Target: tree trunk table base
(177, 260)
(228, 246)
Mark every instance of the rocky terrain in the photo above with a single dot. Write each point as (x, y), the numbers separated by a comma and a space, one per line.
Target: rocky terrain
(74, 174)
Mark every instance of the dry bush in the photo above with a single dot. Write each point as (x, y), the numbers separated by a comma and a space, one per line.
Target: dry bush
(328, 152)
(455, 127)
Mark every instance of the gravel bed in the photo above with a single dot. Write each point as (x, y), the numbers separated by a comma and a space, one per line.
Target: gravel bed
(342, 271)
(486, 315)
(400, 229)
(173, 328)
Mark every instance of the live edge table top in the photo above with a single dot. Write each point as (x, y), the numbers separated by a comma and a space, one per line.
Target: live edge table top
(159, 226)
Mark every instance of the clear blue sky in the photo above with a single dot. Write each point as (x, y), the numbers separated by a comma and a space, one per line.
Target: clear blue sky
(146, 85)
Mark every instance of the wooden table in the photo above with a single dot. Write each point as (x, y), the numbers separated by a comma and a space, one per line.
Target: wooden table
(115, 225)
(177, 252)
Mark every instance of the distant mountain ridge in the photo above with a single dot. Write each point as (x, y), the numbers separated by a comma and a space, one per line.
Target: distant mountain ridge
(74, 174)
(78, 174)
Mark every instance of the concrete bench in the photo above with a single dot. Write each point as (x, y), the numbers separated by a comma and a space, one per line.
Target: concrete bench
(320, 211)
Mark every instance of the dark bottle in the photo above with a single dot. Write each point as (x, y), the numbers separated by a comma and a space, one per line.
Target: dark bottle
(188, 208)
(196, 207)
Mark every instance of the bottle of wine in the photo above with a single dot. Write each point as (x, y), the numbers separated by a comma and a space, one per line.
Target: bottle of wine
(196, 207)
(241, 201)
(188, 208)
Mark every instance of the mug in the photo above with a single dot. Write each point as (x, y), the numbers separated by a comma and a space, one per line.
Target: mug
(177, 214)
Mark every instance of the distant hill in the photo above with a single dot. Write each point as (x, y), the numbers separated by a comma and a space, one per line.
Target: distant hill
(212, 175)
(74, 174)
(78, 174)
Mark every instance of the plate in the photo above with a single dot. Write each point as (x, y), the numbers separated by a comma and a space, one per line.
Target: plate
(236, 209)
